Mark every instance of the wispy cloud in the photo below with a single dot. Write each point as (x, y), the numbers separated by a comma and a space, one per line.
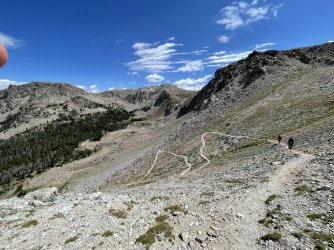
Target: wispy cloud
(263, 45)
(119, 40)
(133, 73)
(153, 58)
(170, 39)
(193, 84)
(191, 66)
(81, 86)
(154, 78)
(223, 39)
(225, 58)
(9, 41)
(93, 88)
(4, 83)
(240, 14)
(276, 8)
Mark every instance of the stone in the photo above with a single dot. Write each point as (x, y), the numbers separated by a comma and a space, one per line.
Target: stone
(240, 216)
(212, 234)
(44, 195)
(184, 237)
(214, 228)
(177, 213)
(201, 238)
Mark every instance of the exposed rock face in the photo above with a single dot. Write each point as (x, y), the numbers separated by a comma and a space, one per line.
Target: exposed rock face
(245, 72)
(167, 102)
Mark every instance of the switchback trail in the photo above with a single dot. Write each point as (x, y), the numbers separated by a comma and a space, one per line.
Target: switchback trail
(202, 155)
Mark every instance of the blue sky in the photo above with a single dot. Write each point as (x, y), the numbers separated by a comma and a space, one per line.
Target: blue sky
(101, 45)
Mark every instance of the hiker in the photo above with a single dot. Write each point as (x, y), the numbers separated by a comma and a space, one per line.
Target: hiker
(290, 143)
(279, 139)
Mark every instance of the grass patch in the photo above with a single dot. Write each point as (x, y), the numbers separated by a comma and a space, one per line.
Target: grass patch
(271, 198)
(107, 233)
(161, 218)
(130, 205)
(148, 238)
(314, 216)
(266, 221)
(204, 203)
(175, 208)
(329, 219)
(57, 216)
(208, 194)
(275, 236)
(303, 189)
(328, 237)
(122, 214)
(287, 217)
(320, 246)
(264, 179)
(72, 239)
(29, 223)
(160, 198)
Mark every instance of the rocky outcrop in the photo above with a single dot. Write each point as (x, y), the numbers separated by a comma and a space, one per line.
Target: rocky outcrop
(245, 72)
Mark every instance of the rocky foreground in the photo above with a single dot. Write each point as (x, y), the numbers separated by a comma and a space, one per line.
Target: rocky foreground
(262, 204)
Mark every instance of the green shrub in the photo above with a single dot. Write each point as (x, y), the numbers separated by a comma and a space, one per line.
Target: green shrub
(118, 213)
(29, 223)
(271, 198)
(72, 239)
(107, 233)
(148, 238)
(314, 216)
(275, 236)
(161, 218)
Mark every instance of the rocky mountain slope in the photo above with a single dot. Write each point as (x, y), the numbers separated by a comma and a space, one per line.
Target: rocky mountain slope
(236, 77)
(28, 105)
(215, 178)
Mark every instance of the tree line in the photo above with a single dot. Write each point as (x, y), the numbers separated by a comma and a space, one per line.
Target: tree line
(55, 143)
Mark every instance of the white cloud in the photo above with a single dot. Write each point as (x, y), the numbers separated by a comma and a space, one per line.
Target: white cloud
(330, 41)
(220, 53)
(4, 83)
(170, 39)
(193, 84)
(227, 58)
(153, 58)
(111, 88)
(196, 52)
(191, 66)
(81, 86)
(223, 39)
(133, 73)
(154, 78)
(275, 9)
(9, 42)
(93, 88)
(240, 14)
(263, 45)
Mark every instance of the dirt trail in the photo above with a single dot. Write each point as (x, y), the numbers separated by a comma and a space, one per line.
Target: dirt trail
(188, 170)
(241, 233)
